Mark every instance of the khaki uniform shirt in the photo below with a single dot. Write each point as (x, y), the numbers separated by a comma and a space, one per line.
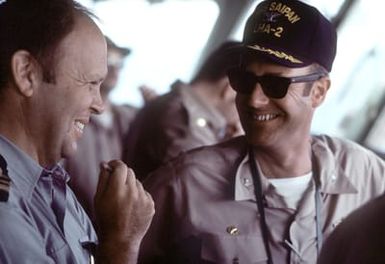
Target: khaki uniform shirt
(206, 210)
(173, 123)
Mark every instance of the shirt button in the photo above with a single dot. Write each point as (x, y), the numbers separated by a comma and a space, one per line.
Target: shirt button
(334, 178)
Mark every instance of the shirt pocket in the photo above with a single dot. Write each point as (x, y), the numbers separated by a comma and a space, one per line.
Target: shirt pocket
(61, 252)
(233, 249)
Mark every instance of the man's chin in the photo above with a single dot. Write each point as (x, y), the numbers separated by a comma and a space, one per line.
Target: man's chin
(259, 140)
(69, 149)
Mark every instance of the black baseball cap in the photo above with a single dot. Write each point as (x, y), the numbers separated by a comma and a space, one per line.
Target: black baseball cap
(290, 33)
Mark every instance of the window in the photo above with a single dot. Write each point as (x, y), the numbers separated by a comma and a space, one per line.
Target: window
(166, 40)
(358, 82)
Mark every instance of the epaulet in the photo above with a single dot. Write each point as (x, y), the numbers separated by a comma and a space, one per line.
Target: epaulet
(5, 181)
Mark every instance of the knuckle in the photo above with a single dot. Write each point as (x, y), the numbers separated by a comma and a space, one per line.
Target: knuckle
(130, 171)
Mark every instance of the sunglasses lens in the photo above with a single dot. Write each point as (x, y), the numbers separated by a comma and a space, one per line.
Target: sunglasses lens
(242, 81)
(274, 86)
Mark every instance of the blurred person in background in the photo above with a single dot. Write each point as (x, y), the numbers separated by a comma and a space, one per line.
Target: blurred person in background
(148, 93)
(191, 115)
(103, 137)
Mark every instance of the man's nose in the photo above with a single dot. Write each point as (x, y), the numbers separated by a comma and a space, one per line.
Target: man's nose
(257, 96)
(97, 106)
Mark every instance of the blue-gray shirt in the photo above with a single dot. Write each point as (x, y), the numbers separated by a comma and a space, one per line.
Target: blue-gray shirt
(33, 227)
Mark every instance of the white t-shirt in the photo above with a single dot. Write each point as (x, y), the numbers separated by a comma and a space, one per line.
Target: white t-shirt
(292, 189)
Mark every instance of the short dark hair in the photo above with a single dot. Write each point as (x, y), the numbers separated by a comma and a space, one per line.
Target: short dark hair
(37, 26)
(215, 66)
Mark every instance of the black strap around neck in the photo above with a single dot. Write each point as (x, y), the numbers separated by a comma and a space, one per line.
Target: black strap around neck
(259, 198)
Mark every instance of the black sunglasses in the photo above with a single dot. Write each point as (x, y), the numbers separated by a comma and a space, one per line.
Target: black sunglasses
(244, 82)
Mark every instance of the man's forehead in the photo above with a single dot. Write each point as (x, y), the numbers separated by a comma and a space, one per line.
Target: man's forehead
(85, 37)
(84, 50)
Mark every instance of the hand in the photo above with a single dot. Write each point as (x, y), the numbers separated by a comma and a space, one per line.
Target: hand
(124, 211)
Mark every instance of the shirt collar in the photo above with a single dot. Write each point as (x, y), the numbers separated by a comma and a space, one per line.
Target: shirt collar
(333, 177)
(57, 172)
(333, 180)
(23, 171)
(244, 186)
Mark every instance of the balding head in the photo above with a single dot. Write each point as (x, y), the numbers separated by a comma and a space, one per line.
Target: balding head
(36, 26)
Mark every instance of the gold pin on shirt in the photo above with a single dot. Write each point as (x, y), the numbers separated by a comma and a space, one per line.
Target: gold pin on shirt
(232, 230)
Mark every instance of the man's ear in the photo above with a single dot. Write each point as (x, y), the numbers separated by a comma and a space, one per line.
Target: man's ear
(318, 93)
(26, 72)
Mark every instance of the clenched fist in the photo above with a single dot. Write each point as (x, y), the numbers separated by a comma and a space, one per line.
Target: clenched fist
(124, 211)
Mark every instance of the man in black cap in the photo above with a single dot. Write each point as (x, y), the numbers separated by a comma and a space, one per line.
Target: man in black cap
(272, 195)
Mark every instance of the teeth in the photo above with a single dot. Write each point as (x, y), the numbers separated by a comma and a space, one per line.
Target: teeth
(266, 117)
(79, 125)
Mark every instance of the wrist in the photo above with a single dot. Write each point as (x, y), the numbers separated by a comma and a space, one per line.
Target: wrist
(112, 251)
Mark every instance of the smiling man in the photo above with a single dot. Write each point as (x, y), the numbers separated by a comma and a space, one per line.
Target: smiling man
(273, 195)
(52, 62)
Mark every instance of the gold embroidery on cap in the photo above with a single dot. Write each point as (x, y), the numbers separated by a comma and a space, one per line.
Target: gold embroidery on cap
(278, 54)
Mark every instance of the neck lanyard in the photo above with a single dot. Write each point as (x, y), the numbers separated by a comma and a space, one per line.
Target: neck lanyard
(261, 208)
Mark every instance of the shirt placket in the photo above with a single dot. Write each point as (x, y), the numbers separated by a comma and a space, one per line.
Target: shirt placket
(59, 179)
(302, 231)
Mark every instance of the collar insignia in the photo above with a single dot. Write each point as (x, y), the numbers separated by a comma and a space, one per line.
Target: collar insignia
(5, 181)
